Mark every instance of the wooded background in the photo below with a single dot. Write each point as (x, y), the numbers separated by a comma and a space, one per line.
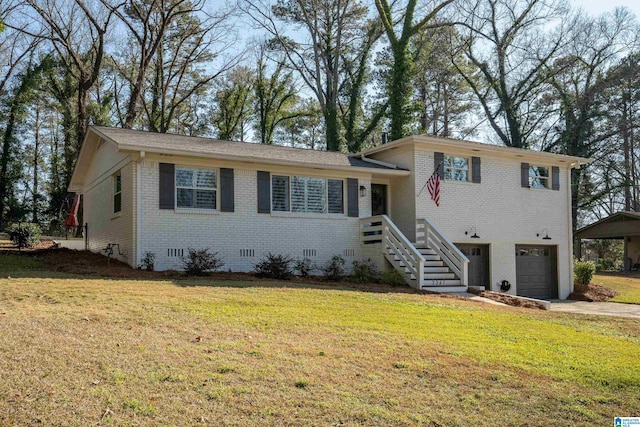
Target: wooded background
(320, 74)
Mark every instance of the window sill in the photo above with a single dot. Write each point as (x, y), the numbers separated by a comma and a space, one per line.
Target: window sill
(197, 211)
(117, 215)
(453, 181)
(308, 215)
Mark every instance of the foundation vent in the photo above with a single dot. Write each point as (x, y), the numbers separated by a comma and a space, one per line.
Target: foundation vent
(309, 252)
(350, 252)
(175, 252)
(247, 253)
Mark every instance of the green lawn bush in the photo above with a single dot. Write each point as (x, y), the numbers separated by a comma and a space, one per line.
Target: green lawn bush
(25, 235)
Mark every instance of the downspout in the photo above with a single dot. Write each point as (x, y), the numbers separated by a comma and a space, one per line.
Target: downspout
(570, 227)
(139, 208)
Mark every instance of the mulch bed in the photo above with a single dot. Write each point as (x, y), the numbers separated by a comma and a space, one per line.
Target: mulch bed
(507, 299)
(87, 263)
(591, 293)
(7, 246)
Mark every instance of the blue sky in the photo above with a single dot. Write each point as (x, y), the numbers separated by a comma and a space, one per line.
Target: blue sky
(597, 7)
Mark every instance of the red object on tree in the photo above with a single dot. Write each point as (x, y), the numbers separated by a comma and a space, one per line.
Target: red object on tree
(72, 217)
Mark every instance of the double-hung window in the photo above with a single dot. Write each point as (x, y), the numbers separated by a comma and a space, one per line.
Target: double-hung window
(307, 194)
(196, 188)
(117, 192)
(538, 177)
(456, 168)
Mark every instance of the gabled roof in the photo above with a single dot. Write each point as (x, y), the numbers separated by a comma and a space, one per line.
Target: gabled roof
(471, 147)
(615, 226)
(127, 140)
(165, 143)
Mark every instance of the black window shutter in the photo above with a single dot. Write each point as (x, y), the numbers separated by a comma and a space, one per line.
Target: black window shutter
(352, 197)
(167, 186)
(264, 192)
(438, 160)
(555, 178)
(524, 175)
(226, 190)
(475, 169)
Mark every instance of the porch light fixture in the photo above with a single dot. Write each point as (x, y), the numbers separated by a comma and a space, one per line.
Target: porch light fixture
(546, 234)
(363, 191)
(475, 233)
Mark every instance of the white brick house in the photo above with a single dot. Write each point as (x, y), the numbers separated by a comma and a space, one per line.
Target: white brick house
(504, 214)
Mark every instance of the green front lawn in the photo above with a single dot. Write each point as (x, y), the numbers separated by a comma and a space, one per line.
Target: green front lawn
(628, 287)
(92, 351)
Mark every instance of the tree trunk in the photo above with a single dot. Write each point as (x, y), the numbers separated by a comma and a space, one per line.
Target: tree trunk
(36, 158)
(332, 127)
(399, 91)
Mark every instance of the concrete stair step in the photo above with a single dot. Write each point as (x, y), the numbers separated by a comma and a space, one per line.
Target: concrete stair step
(439, 276)
(441, 282)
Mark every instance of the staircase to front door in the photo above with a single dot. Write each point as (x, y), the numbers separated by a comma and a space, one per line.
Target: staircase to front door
(431, 263)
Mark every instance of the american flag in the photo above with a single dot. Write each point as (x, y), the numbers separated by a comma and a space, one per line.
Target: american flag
(433, 185)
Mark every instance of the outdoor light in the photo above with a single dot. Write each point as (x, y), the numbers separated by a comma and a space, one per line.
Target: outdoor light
(363, 191)
(475, 233)
(546, 234)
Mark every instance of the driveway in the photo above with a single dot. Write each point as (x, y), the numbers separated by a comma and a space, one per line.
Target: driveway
(615, 309)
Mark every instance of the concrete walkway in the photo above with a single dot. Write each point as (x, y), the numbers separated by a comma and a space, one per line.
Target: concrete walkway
(615, 309)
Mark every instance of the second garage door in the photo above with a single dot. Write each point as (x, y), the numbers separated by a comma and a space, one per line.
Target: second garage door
(536, 271)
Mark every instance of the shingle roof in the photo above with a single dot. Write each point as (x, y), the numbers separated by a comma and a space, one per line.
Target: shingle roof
(197, 146)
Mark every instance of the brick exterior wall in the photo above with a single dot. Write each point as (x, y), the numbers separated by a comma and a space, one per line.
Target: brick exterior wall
(105, 227)
(243, 237)
(503, 212)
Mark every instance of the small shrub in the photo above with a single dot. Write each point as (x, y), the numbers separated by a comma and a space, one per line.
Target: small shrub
(201, 261)
(274, 267)
(304, 266)
(583, 272)
(148, 262)
(301, 383)
(25, 235)
(334, 269)
(364, 272)
(392, 277)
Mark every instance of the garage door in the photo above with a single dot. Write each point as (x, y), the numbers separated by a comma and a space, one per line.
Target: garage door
(536, 273)
(478, 264)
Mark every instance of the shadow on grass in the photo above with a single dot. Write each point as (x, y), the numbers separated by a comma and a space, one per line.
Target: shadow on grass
(65, 263)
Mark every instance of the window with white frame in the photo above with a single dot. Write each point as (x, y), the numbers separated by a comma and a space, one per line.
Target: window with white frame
(539, 177)
(456, 168)
(117, 192)
(307, 194)
(196, 188)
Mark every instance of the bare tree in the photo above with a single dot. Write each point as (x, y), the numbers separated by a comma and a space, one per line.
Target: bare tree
(322, 33)
(193, 53)
(147, 23)
(511, 42)
(76, 31)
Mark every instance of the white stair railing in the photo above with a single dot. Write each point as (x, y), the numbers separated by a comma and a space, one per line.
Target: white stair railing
(428, 236)
(397, 249)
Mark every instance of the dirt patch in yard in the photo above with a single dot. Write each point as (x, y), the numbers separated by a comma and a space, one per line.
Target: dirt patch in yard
(591, 293)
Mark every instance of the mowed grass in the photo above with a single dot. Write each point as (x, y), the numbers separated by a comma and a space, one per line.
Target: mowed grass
(628, 287)
(92, 351)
